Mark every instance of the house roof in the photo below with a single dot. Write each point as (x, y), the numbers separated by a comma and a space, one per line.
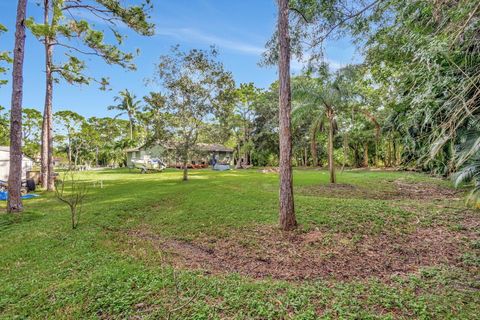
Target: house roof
(208, 147)
(213, 147)
(7, 149)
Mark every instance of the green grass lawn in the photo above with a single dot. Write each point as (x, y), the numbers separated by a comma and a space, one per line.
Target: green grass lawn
(380, 245)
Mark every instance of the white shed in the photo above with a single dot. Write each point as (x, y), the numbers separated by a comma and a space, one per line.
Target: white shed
(27, 164)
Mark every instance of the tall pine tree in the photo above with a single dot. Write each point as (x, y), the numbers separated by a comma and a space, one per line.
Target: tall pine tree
(63, 23)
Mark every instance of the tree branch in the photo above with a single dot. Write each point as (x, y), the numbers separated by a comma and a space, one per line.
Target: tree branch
(300, 13)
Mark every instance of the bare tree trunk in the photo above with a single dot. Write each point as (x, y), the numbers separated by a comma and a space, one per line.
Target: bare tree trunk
(331, 164)
(398, 155)
(287, 211)
(47, 112)
(245, 156)
(365, 155)
(345, 151)
(96, 157)
(377, 134)
(44, 152)
(50, 183)
(313, 147)
(74, 216)
(389, 153)
(395, 161)
(14, 203)
(76, 157)
(185, 171)
(69, 152)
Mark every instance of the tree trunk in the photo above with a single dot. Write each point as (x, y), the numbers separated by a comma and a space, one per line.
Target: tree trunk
(69, 152)
(185, 171)
(287, 211)
(76, 157)
(96, 157)
(398, 156)
(73, 210)
(331, 164)
(44, 151)
(47, 134)
(245, 143)
(14, 203)
(365, 155)
(313, 147)
(388, 154)
(345, 151)
(377, 134)
(50, 184)
(44, 138)
(395, 163)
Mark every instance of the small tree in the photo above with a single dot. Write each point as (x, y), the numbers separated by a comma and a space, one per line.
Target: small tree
(199, 92)
(72, 192)
(245, 113)
(32, 125)
(70, 124)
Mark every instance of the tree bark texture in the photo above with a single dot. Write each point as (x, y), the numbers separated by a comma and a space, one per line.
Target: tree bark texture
(287, 211)
(331, 164)
(14, 203)
(313, 147)
(47, 112)
(185, 171)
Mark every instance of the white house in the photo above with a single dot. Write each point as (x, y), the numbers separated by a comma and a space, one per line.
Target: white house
(202, 154)
(27, 164)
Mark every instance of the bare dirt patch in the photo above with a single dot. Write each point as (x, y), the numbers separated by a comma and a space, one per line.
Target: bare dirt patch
(387, 190)
(268, 252)
(422, 191)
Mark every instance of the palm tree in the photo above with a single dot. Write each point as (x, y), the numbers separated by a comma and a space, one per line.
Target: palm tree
(319, 98)
(128, 105)
(467, 158)
(313, 116)
(470, 174)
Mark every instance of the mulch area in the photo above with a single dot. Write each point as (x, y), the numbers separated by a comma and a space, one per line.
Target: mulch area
(270, 253)
(267, 252)
(394, 190)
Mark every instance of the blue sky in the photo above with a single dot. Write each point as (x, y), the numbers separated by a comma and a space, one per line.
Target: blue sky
(239, 29)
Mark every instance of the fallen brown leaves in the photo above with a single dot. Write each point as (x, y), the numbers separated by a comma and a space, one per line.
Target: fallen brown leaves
(269, 252)
(390, 190)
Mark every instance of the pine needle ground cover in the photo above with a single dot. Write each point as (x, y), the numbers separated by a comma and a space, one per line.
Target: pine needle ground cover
(386, 245)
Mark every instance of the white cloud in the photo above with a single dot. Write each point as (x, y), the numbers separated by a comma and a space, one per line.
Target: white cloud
(298, 66)
(193, 35)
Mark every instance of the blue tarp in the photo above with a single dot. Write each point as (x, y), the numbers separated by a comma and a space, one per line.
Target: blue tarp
(4, 196)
